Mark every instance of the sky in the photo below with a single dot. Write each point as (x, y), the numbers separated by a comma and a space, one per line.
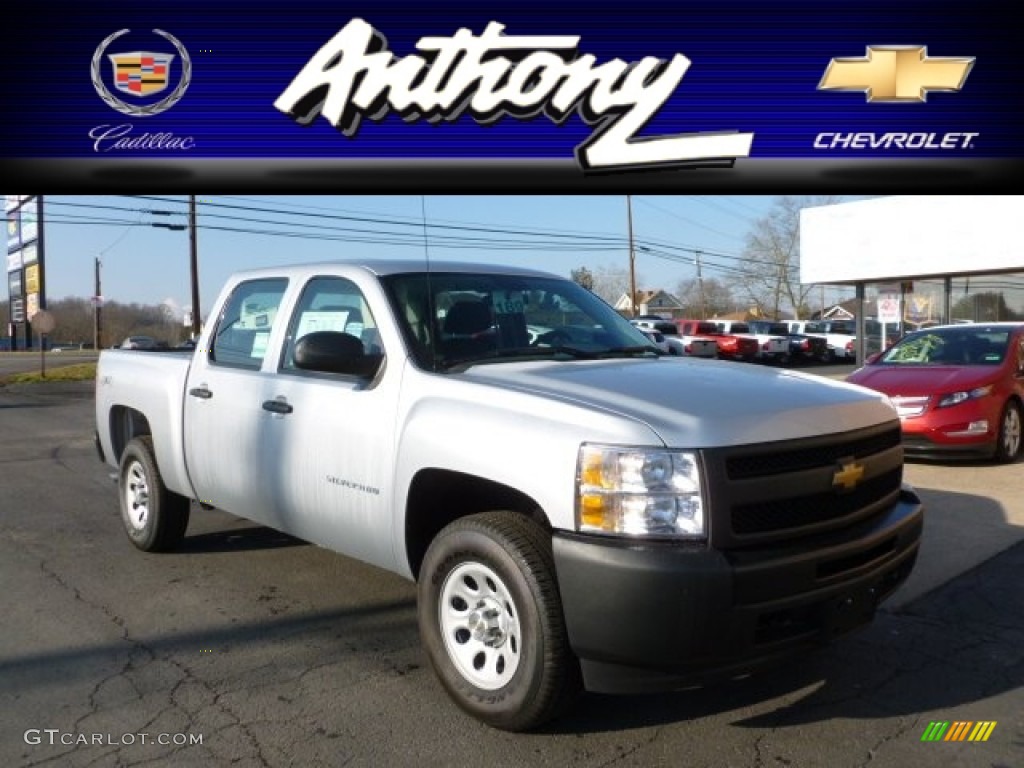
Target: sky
(150, 264)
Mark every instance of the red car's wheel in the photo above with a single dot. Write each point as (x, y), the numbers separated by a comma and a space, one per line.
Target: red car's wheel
(1009, 441)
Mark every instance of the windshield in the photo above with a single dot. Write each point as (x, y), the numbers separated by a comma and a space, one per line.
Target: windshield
(454, 319)
(950, 346)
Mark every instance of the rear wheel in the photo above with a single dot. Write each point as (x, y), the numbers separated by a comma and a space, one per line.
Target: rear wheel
(1009, 441)
(154, 518)
(491, 620)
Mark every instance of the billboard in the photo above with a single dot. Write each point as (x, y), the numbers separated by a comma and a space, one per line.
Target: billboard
(13, 231)
(29, 221)
(26, 269)
(887, 238)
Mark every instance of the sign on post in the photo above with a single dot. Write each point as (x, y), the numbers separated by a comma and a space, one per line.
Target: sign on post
(888, 308)
(43, 322)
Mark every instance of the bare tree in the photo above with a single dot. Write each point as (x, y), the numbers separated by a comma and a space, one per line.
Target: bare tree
(717, 299)
(610, 282)
(771, 269)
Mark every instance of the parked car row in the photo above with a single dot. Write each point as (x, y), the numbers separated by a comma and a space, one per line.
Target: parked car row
(772, 342)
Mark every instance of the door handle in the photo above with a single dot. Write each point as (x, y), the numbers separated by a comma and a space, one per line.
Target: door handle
(277, 406)
(201, 392)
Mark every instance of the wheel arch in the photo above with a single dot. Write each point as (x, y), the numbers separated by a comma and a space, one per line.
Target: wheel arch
(126, 423)
(438, 497)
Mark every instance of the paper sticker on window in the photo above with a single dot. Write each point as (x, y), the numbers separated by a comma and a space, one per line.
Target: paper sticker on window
(508, 302)
(259, 345)
(315, 320)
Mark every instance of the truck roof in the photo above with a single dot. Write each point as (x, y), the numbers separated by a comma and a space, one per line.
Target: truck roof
(382, 267)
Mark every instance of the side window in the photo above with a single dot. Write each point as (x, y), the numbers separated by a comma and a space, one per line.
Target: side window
(244, 327)
(331, 304)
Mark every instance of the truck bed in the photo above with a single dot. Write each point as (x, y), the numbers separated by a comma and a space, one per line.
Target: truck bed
(150, 382)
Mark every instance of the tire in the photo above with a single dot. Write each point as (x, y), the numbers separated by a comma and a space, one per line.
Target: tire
(154, 518)
(491, 620)
(1008, 444)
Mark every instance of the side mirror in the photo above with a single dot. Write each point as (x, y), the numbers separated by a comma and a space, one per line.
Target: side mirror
(333, 352)
(873, 358)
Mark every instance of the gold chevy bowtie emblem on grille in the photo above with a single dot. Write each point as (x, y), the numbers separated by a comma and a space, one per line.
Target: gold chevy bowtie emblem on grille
(897, 73)
(848, 475)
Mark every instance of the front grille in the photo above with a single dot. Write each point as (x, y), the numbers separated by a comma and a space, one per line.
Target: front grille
(780, 461)
(771, 493)
(814, 508)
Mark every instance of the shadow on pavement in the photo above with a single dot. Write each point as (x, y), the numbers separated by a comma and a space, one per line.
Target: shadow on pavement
(238, 540)
(960, 643)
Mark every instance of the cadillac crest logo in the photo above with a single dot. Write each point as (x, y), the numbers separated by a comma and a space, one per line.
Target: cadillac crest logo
(139, 74)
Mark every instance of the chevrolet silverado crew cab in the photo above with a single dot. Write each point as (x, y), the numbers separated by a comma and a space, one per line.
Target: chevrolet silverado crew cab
(576, 509)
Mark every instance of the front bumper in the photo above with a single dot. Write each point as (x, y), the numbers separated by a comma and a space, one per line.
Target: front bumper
(943, 432)
(646, 617)
(923, 447)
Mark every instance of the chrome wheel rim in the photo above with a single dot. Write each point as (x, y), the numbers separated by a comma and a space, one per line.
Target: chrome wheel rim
(136, 496)
(1011, 431)
(480, 625)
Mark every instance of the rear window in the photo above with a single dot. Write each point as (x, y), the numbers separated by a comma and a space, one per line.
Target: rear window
(244, 327)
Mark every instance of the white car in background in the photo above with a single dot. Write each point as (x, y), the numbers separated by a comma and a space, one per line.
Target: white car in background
(139, 342)
(658, 339)
(666, 329)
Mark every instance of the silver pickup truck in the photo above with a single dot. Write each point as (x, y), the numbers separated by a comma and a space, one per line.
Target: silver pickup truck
(577, 510)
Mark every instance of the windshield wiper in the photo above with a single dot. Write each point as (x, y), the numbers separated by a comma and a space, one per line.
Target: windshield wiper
(556, 352)
(642, 349)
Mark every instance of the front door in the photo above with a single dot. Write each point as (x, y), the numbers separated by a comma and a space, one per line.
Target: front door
(329, 462)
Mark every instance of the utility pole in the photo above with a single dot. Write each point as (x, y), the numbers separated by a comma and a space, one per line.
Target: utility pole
(194, 264)
(632, 257)
(700, 287)
(97, 313)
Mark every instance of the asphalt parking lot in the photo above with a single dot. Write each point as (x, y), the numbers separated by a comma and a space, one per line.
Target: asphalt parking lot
(271, 652)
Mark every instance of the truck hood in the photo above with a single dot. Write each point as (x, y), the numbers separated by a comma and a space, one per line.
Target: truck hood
(697, 403)
(909, 381)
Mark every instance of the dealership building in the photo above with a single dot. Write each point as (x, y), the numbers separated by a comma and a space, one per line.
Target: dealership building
(920, 260)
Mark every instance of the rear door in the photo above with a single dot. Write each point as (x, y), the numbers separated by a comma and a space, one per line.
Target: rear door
(226, 429)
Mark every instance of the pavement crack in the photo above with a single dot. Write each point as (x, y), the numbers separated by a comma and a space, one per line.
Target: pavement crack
(907, 724)
(626, 752)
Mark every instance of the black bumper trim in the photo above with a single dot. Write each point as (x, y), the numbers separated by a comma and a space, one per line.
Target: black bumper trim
(651, 617)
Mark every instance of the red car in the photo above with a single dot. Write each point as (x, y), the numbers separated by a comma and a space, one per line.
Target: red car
(959, 389)
(730, 346)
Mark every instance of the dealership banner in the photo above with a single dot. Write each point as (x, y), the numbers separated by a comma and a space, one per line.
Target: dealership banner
(716, 95)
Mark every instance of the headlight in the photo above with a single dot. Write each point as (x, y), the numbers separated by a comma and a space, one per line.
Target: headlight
(959, 397)
(639, 492)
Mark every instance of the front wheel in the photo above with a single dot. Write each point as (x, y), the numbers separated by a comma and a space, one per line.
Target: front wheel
(492, 623)
(1009, 441)
(154, 518)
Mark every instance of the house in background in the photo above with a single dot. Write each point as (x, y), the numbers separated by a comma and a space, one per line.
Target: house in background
(650, 302)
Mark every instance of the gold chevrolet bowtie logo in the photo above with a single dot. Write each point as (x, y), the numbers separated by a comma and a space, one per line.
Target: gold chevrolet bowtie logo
(897, 73)
(848, 475)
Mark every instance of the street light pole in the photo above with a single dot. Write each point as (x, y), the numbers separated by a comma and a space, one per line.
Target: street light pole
(194, 266)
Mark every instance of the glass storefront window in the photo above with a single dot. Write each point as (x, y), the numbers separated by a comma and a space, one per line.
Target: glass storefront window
(988, 298)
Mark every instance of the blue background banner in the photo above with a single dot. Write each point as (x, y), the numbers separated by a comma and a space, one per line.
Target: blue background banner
(755, 68)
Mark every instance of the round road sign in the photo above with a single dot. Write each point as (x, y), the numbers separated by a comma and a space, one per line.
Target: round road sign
(43, 322)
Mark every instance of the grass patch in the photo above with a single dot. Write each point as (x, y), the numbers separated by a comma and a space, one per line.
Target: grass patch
(79, 372)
